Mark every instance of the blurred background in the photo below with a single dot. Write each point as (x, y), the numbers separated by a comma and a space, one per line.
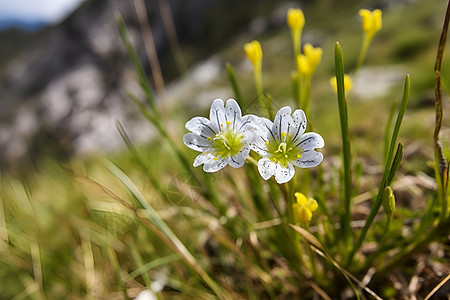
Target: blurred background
(64, 70)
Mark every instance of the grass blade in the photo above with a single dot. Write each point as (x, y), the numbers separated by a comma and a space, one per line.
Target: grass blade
(343, 116)
(234, 84)
(395, 163)
(142, 77)
(386, 174)
(159, 227)
(319, 249)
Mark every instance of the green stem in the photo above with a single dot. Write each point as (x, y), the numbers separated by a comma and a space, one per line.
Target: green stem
(234, 83)
(304, 98)
(260, 91)
(296, 42)
(346, 216)
(387, 170)
(441, 167)
(362, 54)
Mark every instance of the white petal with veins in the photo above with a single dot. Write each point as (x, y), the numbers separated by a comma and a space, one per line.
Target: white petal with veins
(310, 140)
(310, 158)
(284, 174)
(266, 168)
(196, 142)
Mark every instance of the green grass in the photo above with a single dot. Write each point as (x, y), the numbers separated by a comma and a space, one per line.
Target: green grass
(112, 225)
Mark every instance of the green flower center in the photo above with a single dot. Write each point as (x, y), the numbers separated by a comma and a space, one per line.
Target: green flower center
(228, 143)
(285, 151)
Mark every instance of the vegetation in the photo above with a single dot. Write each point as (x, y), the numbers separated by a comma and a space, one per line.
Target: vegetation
(111, 226)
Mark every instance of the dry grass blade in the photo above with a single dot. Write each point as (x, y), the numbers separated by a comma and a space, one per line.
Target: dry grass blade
(317, 247)
(318, 290)
(437, 287)
(171, 241)
(441, 164)
(149, 43)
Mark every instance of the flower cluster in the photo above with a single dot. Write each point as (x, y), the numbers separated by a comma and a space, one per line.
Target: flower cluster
(227, 138)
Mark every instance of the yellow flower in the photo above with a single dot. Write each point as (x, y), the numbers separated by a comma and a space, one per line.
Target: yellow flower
(314, 55)
(304, 207)
(347, 83)
(254, 53)
(295, 19)
(308, 62)
(303, 65)
(371, 21)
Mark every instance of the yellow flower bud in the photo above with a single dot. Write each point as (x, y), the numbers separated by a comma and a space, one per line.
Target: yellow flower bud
(347, 83)
(314, 55)
(295, 19)
(308, 62)
(254, 53)
(304, 207)
(371, 21)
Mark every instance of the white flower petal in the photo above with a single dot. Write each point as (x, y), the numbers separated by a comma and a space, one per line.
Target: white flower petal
(215, 165)
(284, 174)
(196, 142)
(266, 168)
(203, 158)
(265, 129)
(282, 122)
(259, 146)
(200, 126)
(261, 136)
(233, 113)
(249, 127)
(309, 159)
(217, 115)
(238, 160)
(309, 141)
(298, 125)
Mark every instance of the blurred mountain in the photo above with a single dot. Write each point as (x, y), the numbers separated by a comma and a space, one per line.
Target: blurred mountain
(62, 87)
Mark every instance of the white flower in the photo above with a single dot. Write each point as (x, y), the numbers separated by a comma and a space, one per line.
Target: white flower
(283, 145)
(224, 139)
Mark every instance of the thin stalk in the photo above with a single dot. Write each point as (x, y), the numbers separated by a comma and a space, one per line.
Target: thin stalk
(234, 83)
(387, 136)
(171, 33)
(387, 171)
(149, 44)
(441, 167)
(343, 115)
(295, 77)
(304, 98)
(363, 52)
(142, 77)
(263, 102)
(163, 132)
(296, 42)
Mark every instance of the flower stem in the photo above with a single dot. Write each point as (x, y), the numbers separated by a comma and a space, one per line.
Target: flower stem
(362, 54)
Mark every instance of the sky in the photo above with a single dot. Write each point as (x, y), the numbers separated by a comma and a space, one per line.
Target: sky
(35, 11)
